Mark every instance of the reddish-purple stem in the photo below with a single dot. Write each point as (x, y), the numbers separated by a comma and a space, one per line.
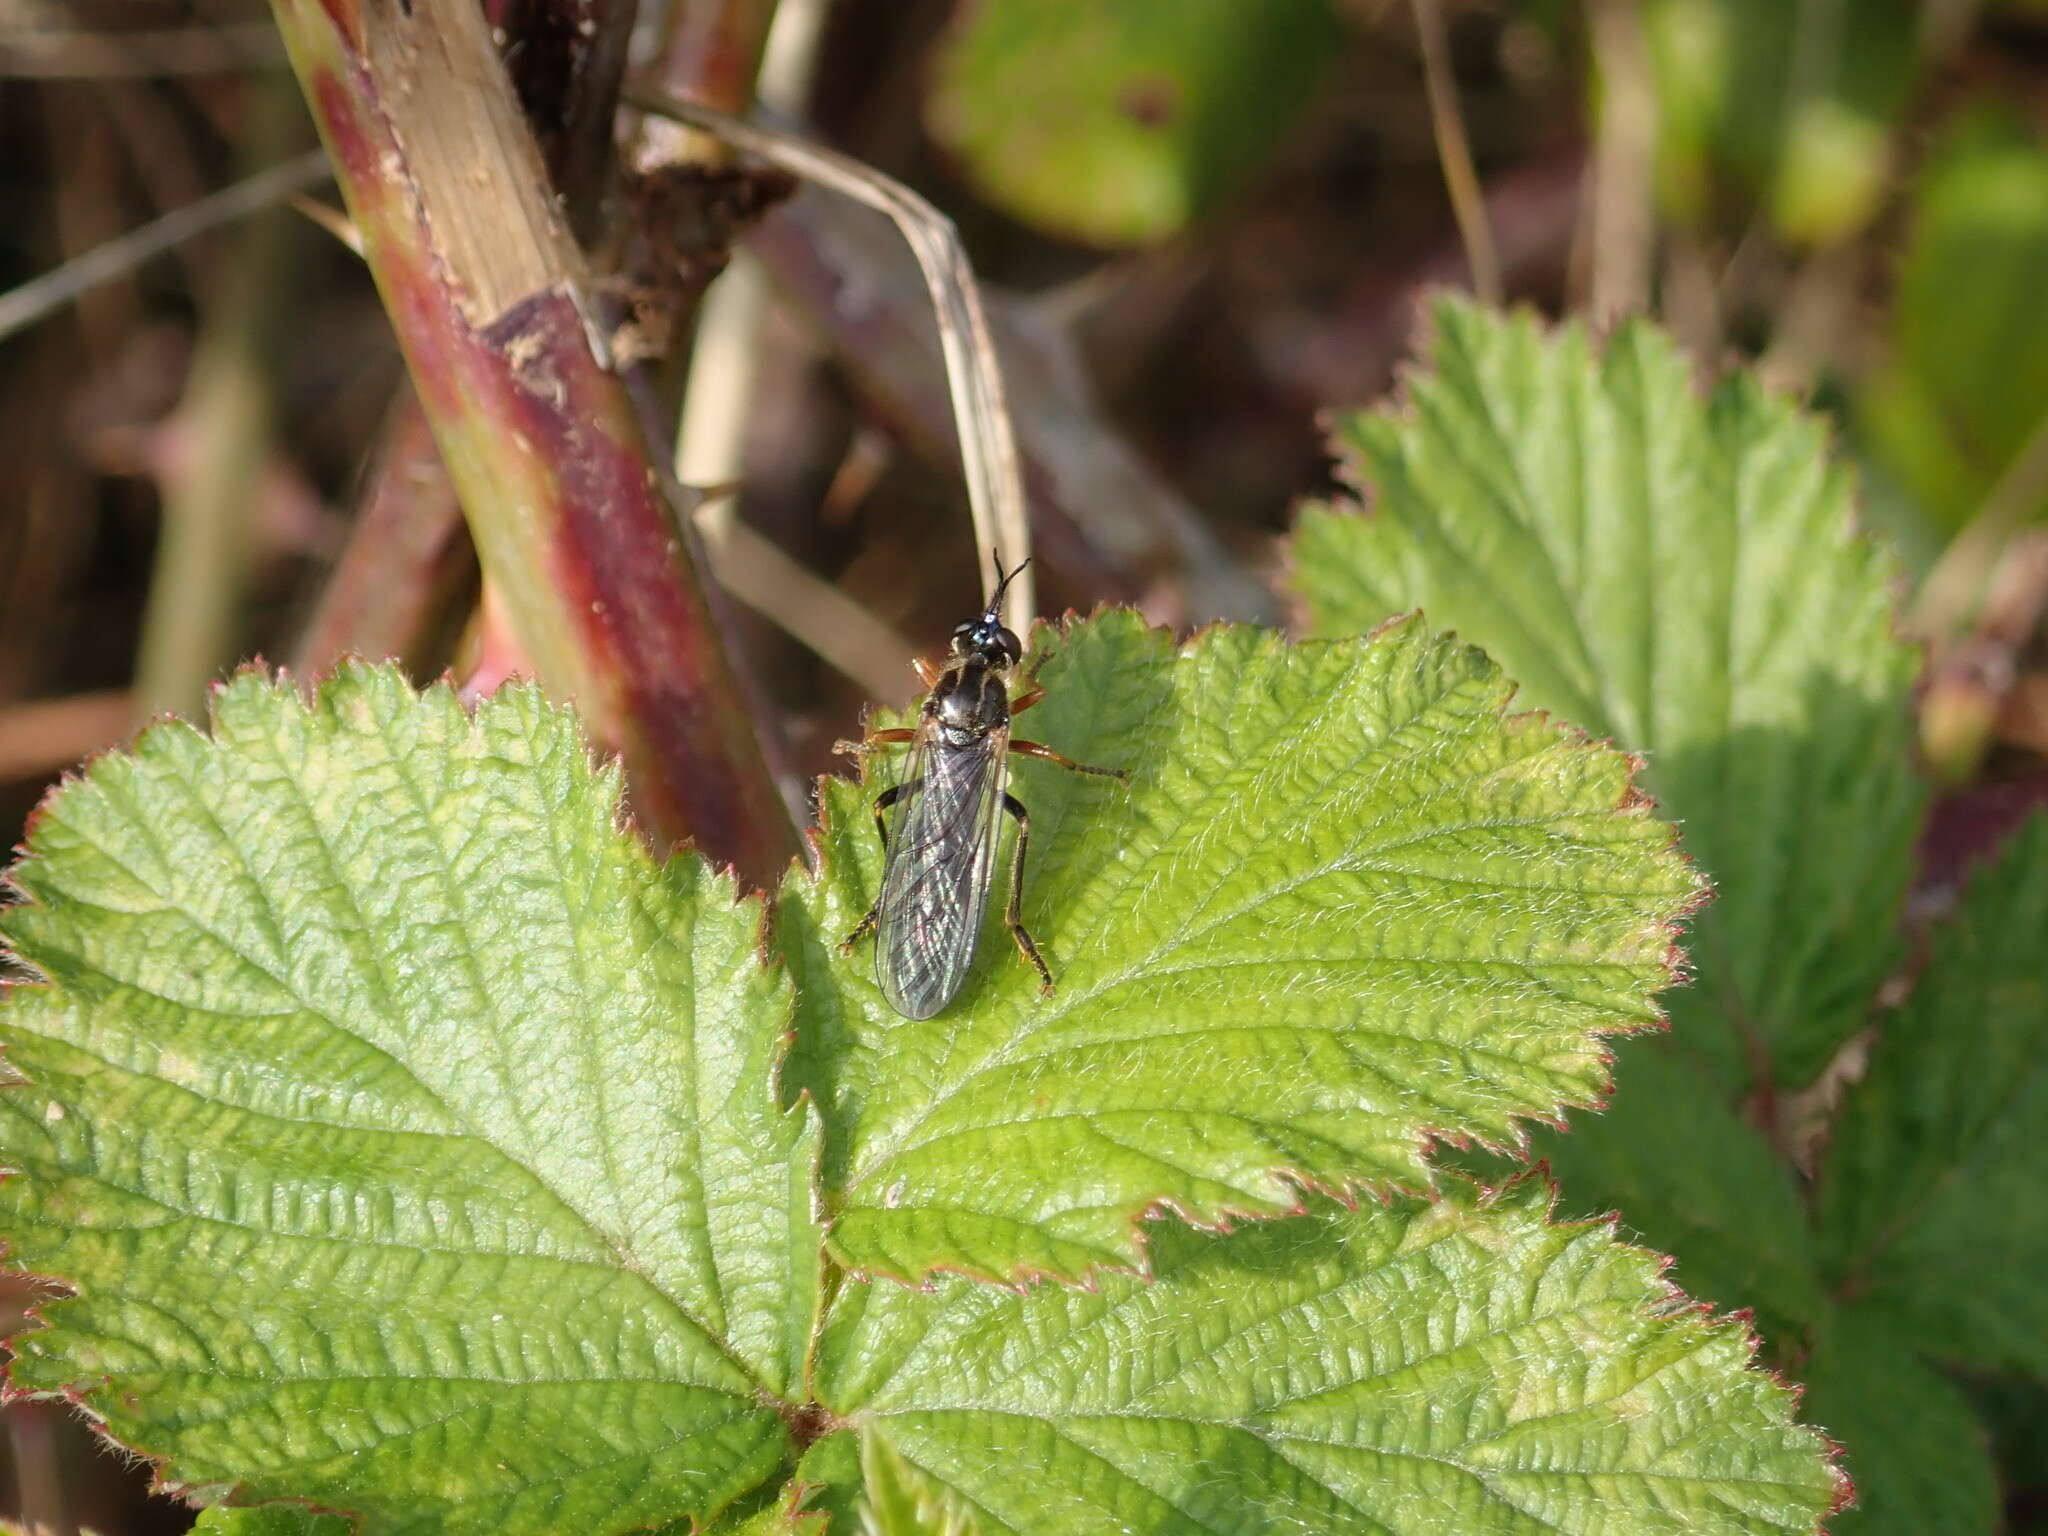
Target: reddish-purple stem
(571, 515)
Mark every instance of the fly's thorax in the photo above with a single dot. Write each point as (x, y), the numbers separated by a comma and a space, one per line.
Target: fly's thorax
(972, 699)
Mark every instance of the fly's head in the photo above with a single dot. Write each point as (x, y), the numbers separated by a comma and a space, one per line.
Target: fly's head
(984, 638)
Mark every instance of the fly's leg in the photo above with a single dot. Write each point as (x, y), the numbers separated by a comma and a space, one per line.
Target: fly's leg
(1040, 750)
(883, 801)
(861, 929)
(1013, 919)
(895, 735)
(1034, 690)
(887, 798)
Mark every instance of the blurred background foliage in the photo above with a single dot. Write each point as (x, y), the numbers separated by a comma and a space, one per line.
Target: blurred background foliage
(1204, 222)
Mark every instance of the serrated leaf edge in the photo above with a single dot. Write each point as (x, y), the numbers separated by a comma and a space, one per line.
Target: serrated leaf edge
(308, 695)
(1224, 1218)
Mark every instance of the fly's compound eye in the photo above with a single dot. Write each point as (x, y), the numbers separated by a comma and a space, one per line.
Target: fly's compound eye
(986, 638)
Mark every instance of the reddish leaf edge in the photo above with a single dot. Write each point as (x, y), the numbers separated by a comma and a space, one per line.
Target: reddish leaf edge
(1223, 1218)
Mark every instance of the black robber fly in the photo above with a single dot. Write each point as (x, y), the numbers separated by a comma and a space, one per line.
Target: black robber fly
(940, 859)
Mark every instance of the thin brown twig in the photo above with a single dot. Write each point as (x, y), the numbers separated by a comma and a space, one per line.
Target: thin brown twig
(50, 734)
(39, 54)
(42, 296)
(1454, 152)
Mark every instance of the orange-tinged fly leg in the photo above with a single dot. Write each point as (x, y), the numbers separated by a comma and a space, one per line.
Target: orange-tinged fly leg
(1040, 750)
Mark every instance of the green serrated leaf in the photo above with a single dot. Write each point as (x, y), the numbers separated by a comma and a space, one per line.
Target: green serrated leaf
(1683, 575)
(1934, 1196)
(408, 1135)
(1691, 1178)
(1910, 1442)
(1460, 1365)
(1119, 121)
(772, 1511)
(1345, 903)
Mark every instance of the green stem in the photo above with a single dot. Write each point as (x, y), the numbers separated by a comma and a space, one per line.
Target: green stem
(189, 624)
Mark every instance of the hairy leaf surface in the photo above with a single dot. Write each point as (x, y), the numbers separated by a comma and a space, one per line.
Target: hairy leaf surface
(900, 1500)
(412, 1142)
(1690, 1177)
(409, 1136)
(1455, 1366)
(1681, 574)
(1345, 903)
(269, 1520)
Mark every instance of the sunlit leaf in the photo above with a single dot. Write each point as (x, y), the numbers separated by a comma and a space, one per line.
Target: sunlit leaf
(1682, 574)
(408, 1135)
(1462, 1366)
(1345, 903)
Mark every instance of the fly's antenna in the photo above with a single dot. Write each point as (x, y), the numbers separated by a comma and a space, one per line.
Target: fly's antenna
(995, 601)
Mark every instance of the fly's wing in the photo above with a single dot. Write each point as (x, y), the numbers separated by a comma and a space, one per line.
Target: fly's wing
(935, 880)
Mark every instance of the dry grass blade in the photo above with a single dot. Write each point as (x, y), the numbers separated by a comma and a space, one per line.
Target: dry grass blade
(988, 450)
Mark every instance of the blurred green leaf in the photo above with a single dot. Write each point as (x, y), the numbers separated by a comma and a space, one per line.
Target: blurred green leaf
(1345, 903)
(1684, 575)
(1790, 100)
(1116, 122)
(1910, 1442)
(1459, 1365)
(1963, 388)
(2015, 1410)
(1934, 1195)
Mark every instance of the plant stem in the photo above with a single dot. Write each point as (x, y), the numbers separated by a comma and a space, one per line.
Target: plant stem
(405, 555)
(1624, 226)
(1099, 512)
(571, 513)
(189, 622)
